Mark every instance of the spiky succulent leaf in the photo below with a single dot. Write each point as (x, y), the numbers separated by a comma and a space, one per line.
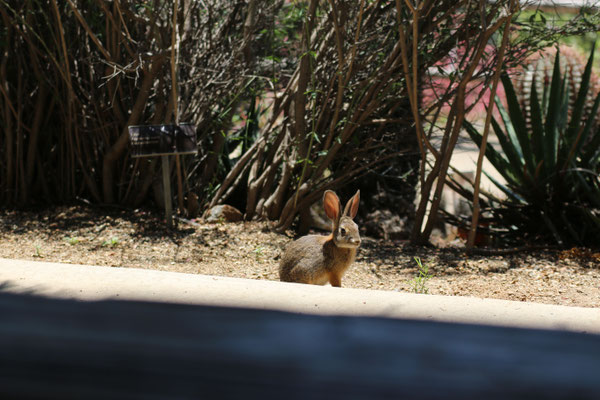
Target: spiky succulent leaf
(505, 189)
(508, 141)
(551, 128)
(496, 159)
(578, 106)
(518, 123)
(537, 129)
(591, 152)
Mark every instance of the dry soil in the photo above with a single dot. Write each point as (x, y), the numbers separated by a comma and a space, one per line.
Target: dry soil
(139, 239)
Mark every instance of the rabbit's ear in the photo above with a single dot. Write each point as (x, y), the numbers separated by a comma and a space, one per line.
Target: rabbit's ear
(352, 206)
(332, 205)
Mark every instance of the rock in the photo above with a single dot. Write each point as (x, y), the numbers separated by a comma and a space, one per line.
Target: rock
(385, 224)
(223, 213)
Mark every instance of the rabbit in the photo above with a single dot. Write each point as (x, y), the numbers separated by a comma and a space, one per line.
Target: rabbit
(317, 259)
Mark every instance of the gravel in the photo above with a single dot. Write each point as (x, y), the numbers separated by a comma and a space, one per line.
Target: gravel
(139, 239)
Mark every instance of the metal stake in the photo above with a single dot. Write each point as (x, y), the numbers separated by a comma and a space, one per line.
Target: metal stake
(167, 190)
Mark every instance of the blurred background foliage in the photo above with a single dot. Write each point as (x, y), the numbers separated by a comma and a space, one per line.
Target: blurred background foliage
(289, 98)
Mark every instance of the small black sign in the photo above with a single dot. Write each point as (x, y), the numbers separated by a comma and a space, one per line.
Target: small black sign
(157, 140)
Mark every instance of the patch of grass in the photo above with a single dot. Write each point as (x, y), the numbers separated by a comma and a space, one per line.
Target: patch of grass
(419, 283)
(71, 240)
(37, 253)
(112, 242)
(258, 252)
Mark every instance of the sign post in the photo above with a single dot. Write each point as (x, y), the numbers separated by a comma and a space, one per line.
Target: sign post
(167, 190)
(163, 141)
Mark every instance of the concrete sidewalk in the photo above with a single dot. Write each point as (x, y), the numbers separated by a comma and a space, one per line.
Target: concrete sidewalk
(95, 283)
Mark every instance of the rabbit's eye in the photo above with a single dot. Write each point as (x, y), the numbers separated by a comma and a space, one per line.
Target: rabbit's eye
(343, 231)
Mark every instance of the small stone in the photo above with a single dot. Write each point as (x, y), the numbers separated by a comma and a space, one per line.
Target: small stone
(223, 213)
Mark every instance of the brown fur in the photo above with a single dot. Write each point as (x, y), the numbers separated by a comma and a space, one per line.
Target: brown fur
(316, 259)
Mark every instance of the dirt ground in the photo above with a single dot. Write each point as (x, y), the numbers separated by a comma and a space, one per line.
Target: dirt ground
(139, 239)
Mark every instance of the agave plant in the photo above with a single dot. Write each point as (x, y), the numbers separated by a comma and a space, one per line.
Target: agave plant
(550, 160)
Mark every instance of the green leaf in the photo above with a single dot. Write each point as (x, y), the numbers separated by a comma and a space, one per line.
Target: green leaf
(510, 130)
(518, 122)
(592, 191)
(511, 194)
(537, 125)
(314, 136)
(554, 101)
(578, 106)
(495, 158)
(511, 151)
(563, 109)
(592, 149)
(562, 144)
